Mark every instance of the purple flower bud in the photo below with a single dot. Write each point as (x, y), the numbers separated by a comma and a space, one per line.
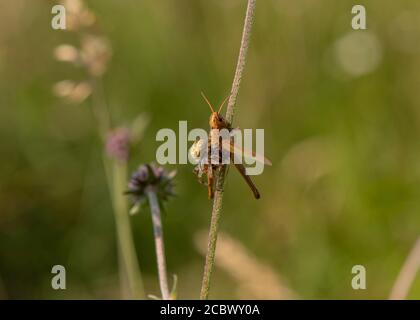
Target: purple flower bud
(158, 171)
(142, 174)
(138, 179)
(150, 175)
(118, 144)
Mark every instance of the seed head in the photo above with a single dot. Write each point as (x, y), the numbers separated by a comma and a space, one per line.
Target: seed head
(150, 177)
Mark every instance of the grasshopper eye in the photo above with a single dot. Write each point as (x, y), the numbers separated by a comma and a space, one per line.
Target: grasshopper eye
(220, 118)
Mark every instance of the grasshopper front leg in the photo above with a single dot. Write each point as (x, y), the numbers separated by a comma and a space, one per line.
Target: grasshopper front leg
(210, 181)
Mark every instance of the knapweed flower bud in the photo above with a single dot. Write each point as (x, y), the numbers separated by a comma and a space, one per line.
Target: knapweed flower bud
(149, 177)
(118, 144)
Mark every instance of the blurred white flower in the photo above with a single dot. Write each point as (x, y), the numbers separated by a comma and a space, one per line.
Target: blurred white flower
(63, 88)
(73, 6)
(72, 91)
(81, 91)
(78, 15)
(66, 52)
(358, 53)
(95, 53)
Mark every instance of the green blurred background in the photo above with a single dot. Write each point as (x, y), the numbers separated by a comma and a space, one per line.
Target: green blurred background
(340, 109)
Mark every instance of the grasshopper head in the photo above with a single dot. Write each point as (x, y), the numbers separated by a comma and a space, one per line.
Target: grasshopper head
(217, 121)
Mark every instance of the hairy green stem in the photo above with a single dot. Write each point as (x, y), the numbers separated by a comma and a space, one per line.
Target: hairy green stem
(159, 243)
(127, 251)
(214, 230)
(221, 173)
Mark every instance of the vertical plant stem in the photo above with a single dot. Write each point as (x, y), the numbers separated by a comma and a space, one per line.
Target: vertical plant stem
(159, 243)
(214, 230)
(100, 107)
(221, 172)
(407, 274)
(126, 247)
(246, 34)
(116, 174)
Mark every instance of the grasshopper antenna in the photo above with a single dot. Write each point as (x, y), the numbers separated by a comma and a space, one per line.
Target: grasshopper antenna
(223, 103)
(205, 98)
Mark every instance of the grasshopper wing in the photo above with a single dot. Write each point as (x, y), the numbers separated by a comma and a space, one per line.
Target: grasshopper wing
(237, 152)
